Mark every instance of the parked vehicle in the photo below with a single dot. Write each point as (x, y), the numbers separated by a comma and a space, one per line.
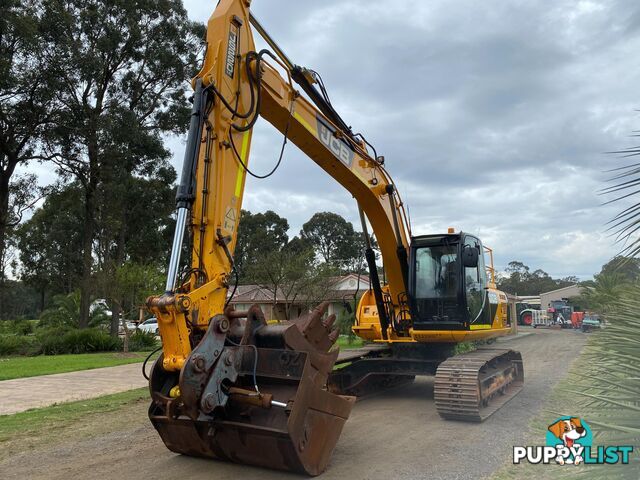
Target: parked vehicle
(591, 322)
(150, 325)
(539, 318)
(131, 326)
(523, 309)
(560, 312)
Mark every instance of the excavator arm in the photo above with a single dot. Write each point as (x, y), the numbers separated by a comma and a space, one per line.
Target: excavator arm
(235, 86)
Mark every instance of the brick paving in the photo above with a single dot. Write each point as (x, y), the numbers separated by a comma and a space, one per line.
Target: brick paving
(23, 394)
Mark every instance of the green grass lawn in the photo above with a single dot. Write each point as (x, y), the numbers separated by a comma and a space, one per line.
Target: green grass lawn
(343, 342)
(19, 367)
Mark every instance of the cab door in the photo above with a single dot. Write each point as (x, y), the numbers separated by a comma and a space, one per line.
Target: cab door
(476, 296)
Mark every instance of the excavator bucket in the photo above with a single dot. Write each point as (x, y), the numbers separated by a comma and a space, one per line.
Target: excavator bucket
(254, 393)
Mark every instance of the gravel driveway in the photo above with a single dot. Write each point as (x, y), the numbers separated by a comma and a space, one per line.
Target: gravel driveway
(395, 435)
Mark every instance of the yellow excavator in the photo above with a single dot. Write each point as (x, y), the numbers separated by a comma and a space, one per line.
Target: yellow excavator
(228, 385)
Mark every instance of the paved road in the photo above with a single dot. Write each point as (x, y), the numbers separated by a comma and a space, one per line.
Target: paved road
(33, 392)
(395, 435)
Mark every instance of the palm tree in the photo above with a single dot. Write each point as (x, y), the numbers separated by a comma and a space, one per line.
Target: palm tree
(603, 293)
(65, 312)
(603, 388)
(626, 185)
(605, 382)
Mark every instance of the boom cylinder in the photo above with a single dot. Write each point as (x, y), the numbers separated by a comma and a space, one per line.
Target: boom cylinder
(186, 189)
(176, 249)
(370, 257)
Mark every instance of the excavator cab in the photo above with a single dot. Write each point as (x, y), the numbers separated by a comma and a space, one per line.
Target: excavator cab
(448, 282)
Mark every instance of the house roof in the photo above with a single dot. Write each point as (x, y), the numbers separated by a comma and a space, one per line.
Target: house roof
(345, 288)
(570, 287)
(254, 294)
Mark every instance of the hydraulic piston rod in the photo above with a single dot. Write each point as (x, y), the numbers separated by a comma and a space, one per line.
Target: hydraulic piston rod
(186, 195)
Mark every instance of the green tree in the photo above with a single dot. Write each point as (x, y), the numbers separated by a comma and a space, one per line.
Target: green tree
(514, 279)
(625, 225)
(259, 234)
(603, 294)
(289, 274)
(50, 244)
(23, 195)
(138, 215)
(520, 280)
(123, 82)
(18, 301)
(127, 288)
(27, 87)
(65, 312)
(334, 240)
(627, 268)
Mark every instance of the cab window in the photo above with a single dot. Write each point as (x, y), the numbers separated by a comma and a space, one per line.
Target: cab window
(436, 272)
(475, 282)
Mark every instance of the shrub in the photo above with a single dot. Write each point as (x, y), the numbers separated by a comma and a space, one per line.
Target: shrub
(79, 341)
(22, 327)
(142, 341)
(45, 334)
(344, 322)
(17, 327)
(18, 345)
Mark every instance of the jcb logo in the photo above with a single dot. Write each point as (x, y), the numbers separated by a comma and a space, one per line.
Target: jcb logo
(338, 147)
(232, 46)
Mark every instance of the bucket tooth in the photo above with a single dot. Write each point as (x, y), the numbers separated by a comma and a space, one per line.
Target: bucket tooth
(328, 323)
(333, 336)
(315, 331)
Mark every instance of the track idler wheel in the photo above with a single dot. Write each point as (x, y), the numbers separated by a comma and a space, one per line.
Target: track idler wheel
(293, 423)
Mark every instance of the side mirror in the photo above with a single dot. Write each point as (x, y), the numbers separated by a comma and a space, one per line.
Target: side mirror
(470, 256)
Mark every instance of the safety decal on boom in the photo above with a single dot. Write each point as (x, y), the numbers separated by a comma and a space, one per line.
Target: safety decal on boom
(230, 219)
(341, 149)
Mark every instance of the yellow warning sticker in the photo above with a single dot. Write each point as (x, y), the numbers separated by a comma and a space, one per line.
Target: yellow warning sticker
(230, 219)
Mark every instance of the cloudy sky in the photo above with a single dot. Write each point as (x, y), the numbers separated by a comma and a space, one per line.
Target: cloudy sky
(493, 116)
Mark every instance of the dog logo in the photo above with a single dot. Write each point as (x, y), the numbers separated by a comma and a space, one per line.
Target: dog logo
(567, 432)
(569, 441)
